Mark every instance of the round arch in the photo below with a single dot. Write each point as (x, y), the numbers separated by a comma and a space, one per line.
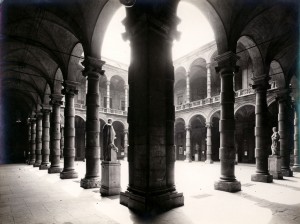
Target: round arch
(198, 137)
(119, 140)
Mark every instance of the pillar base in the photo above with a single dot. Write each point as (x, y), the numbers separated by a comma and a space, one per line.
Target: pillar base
(287, 172)
(188, 160)
(54, 170)
(32, 162)
(36, 164)
(111, 175)
(296, 168)
(265, 178)
(88, 183)
(151, 204)
(70, 174)
(45, 166)
(209, 161)
(227, 186)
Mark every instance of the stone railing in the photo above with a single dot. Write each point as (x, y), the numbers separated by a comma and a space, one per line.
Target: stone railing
(112, 111)
(244, 92)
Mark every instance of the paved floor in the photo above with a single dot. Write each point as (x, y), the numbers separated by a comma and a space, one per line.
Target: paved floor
(28, 195)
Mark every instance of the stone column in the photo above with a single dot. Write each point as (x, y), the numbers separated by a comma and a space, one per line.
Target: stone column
(55, 134)
(208, 143)
(284, 108)
(93, 70)
(151, 112)
(29, 141)
(296, 167)
(261, 84)
(70, 90)
(208, 81)
(188, 143)
(188, 94)
(62, 142)
(45, 138)
(108, 94)
(125, 143)
(32, 141)
(226, 68)
(126, 97)
(38, 141)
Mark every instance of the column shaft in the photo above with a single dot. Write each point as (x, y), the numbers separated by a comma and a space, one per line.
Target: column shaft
(29, 142)
(92, 179)
(261, 130)
(208, 81)
(226, 68)
(208, 143)
(45, 140)
(188, 94)
(38, 150)
(125, 143)
(108, 94)
(126, 97)
(33, 140)
(55, 134)
(188, 144)
(70, 89)
(296, 167)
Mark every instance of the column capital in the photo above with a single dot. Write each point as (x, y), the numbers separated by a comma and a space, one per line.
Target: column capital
(92, 66)
(38, 115)
(208, 124)
(56, 99)
(227, 61)
(187, 127)
(32, 120)
(46, 108)
(70, 87)
(162, 23)
(108, 82)
(208, 65)
(261, 82)
(126, 86)
(125, 131)
(283, 94)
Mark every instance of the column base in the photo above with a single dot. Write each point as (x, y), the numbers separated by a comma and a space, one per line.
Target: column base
(287, 172)
(54, 170)
(45, 166)
(70, 174)
(209, 161)
(265, 178)
(32, 162)
(36, 164)
(227, 186)
(111, 175)
(152, 204)
(296, 168)
(188, 160)
(88, 183)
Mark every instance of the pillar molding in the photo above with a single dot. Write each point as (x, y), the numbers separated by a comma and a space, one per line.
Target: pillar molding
(32, 140)
(188, 144)
(108, 94)
(208, 143)
(45, 137)
(208, 80)
(188, 89)
(151, 31)
(126, 97)
(93, 71)
(284, 125)
(56, 102)
(38, 140)
(261, 85)
(296, 166)
(70, 90)
(226, 68)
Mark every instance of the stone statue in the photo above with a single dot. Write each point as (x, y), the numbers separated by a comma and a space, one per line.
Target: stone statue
(275, 139)
(109, 148)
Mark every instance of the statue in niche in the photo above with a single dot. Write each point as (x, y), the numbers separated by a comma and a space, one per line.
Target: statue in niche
(275, 141)
(109, 148)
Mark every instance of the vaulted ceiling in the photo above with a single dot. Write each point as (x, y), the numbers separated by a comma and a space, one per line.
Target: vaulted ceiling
(38, 38)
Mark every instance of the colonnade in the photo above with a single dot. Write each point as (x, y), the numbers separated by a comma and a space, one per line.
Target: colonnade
(108, 95)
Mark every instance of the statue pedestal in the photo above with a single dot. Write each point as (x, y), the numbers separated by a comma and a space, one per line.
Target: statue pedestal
(275, 167)
(111, 176)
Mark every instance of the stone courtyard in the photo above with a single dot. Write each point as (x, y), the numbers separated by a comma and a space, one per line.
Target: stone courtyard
(30, 195)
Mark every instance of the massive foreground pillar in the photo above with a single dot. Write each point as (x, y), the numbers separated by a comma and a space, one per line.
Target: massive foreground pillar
(55, 134)
(261, 84)
(45, 138)
(296, 166)
(93, 69)
(226, 68)
(38, 141)
(32, 141)
(70, 90)
(151, 113)
(284, 129)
